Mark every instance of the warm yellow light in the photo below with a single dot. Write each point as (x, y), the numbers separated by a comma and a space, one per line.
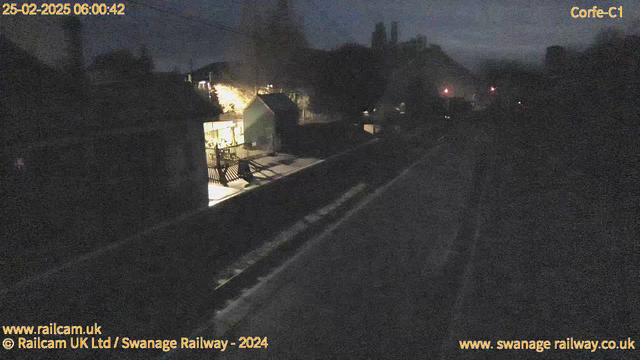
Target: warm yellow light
(217, 125)
(231, 98)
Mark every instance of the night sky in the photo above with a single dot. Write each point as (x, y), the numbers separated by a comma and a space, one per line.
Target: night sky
(467, 30)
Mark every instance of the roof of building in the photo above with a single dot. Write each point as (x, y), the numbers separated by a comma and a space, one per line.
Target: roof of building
(36, 100)
(14, 58)
(222, 72)
(41, 103)
(157, 97)
(278, 103)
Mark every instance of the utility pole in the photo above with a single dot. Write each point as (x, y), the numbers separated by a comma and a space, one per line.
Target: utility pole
(190, 76)
(255, 45)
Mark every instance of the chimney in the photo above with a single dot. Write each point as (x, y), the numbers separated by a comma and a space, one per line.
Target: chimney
(73, 61)
(379, 37)
(394, 33)
(421, 43)
(555, 60)
(74, 58)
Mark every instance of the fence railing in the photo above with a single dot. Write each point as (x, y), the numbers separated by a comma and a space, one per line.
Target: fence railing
(229, 173)
(222, 163)
(231, 154)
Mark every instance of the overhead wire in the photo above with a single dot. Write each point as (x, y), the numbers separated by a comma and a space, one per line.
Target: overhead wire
(191, 18)
(230, 29)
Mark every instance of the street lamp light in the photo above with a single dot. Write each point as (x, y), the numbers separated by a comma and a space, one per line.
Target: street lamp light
(447, 97)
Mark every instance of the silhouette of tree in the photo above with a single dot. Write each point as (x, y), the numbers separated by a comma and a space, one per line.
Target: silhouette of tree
(351, 81)
(272, 43)
(119, 60)
(284, 42)
(422, 98)
(124, 63)
(608, 37)
(145, 60)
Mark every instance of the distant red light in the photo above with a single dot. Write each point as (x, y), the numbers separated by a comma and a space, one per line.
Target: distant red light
(446, 91)
(493, 89)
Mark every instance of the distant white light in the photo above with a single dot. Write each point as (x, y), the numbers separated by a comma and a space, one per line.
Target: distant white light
(19, 163)
(493, 88)
(446, 91)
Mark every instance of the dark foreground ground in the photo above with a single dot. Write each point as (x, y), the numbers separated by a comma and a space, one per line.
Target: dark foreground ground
(557, 256)
(162, 283)
(501, 230)
(506, 232)
(384, 282)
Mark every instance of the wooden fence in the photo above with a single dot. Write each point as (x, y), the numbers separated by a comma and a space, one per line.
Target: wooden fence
(224, 162)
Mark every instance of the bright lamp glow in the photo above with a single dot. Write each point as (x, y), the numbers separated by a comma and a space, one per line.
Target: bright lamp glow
(231, 99)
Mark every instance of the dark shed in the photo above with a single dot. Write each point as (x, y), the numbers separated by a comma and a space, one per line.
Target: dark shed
(269, 120)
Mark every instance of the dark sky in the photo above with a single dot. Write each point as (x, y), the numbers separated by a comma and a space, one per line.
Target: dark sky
(467, 30)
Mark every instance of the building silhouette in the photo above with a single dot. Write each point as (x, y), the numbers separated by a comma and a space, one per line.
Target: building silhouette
(379, 37)
(555, 60)
(394, 33)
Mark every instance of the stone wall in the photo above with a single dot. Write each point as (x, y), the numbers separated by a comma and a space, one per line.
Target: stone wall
(71, 195)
